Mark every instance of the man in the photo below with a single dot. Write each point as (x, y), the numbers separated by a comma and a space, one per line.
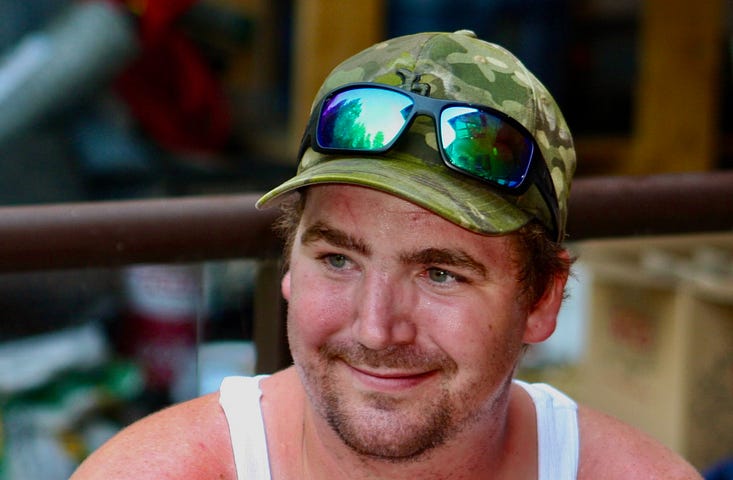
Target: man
(418, 273)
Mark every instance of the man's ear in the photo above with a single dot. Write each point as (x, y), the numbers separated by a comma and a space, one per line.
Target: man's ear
(542, 318)
(285, 285)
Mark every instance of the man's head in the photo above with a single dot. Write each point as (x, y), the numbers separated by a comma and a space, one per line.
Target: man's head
(411, 300)
(420, 166)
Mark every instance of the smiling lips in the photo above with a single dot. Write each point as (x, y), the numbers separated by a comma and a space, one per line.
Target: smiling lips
(390, 380)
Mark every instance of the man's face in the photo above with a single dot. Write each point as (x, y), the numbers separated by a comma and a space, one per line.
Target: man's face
(404, 328)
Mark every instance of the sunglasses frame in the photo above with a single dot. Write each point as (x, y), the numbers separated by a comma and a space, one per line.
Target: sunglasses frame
(537, 172)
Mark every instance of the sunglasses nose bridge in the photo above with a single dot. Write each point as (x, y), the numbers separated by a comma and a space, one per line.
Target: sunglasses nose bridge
(431, 107)
(427, 107)
(434, 116)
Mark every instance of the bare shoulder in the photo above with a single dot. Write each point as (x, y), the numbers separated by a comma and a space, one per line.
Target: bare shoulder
(611, 449)
(186, 441)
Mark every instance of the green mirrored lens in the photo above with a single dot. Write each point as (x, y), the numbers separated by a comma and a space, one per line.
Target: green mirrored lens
(367, 119)
(484, 145)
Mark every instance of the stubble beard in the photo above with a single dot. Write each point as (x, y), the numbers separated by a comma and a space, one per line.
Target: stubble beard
(380, 426)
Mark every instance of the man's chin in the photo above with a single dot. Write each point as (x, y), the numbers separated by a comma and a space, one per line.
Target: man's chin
(389, 429)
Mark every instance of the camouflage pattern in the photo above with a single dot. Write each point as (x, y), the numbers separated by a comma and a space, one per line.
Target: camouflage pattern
(457, 66)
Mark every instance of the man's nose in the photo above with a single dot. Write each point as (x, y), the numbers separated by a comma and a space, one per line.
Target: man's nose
(383, 313)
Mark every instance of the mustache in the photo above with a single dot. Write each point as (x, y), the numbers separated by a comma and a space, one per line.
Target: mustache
(394, 356)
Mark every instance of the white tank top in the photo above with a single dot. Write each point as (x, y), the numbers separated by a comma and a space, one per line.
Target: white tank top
(557, 429)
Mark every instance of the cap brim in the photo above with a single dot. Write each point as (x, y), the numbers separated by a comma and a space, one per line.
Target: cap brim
(457, 198)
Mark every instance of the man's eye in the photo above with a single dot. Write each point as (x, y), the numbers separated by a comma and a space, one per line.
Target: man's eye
(440, 276)
(336, 260)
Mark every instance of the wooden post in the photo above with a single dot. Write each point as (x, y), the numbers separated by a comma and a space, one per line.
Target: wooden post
(269, 319)
(676, 121)
(326, 32)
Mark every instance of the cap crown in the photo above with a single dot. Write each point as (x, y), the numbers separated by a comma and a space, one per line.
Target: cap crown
(458, 66)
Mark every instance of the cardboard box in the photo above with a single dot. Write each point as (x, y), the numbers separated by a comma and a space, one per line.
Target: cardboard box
(659, 352)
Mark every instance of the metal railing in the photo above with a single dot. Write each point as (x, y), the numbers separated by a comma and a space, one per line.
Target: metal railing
(40, 237)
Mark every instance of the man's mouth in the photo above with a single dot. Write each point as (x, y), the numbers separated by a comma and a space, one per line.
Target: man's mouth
(389, 379)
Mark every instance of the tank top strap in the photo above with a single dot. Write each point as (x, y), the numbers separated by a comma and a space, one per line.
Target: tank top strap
(239, 398)
(557, 431)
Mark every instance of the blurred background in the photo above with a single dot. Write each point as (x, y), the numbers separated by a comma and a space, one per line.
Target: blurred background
(106, 101)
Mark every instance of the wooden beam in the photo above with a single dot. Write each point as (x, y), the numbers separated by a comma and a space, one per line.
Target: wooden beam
(269, 315)
(327, 32)
(676, 120)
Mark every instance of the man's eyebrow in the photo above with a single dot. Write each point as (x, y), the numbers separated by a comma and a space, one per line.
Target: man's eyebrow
(444, 256)
(337, 238)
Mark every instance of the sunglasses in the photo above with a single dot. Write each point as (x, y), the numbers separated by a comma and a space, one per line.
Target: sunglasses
(475, 140)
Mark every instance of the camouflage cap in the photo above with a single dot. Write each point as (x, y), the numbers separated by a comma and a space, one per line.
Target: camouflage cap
(457, 66)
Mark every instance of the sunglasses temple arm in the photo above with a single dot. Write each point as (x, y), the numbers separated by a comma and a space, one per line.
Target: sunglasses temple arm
(547, 190)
